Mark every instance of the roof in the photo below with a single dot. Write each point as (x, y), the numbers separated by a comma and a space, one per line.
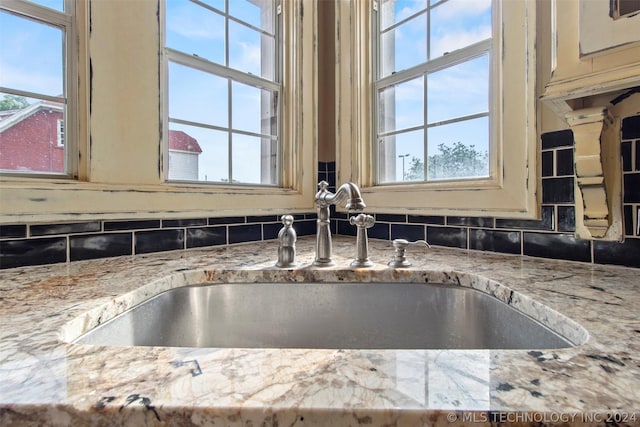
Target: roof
(9, 118)
(180, 141)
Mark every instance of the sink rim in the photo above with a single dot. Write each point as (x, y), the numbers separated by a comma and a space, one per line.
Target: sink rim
(554, 320)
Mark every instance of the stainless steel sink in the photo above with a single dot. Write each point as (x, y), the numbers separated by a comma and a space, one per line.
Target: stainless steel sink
(325, 315)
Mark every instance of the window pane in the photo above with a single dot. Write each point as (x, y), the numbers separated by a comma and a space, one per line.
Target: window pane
(402, 157)
(218, 4)
(31, 135)
(459, 91)
(250, 51)
(459, 150)
(458, 23)
(258, 13)
(197, 96)
(31, 56)
(404, 46)
(254, 109)
(53, 4)
(193, 29)
(401, 106)
(253, 160)
(198, 154)
(246, 49)
(392, 11)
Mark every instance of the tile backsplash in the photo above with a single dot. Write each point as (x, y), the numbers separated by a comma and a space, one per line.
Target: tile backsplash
(37, 244)
(551, 236)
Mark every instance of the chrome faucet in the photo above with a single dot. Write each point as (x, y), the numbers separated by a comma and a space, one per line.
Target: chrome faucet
(324, 198)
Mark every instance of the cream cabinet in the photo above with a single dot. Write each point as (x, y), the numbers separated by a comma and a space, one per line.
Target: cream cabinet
(589, 61)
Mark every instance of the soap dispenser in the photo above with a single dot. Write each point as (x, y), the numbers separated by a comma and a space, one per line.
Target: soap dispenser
(287, 243)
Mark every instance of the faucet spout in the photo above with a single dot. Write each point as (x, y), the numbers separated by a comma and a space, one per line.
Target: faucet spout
(348, 191)
(323, 199)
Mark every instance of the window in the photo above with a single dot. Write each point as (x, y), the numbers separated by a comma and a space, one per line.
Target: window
(60, 133)
(122, 172)
(437, 113)
(37, 77)
(224, 86)
(432, 89)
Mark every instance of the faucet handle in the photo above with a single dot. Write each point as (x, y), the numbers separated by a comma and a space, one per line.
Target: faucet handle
(399, 259)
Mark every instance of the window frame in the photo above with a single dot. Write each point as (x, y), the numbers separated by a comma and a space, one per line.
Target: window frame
(511, 190)
(66, 21)
(382, 82)
(233, 75)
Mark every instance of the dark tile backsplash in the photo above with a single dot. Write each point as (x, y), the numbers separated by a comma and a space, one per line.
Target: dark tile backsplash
(495, 241)
(131, 225)
(563, 138)
(625, 253)
(547, 164)
(627, 159)
(632, 188)
(559, 246)
(198, 237)
(454, 237)
(549, 237)
(557, 190)
(159, 240)
(100, 246)
(74, 228)
(407, 231)
(564, 162)
(18, 253)
(631, 128)
(426, 219)
(566, 218)
(245, 233)
(189, 222)
(13, 231)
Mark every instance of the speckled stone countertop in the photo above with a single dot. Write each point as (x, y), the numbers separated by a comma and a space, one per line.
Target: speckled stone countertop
(45, 380)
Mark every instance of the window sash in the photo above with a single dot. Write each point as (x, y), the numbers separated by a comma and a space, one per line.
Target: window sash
(380, 83)
(271, 174)
(66, 22)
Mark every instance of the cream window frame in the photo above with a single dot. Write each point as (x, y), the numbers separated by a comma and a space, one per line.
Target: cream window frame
(225, 71)
(121, 174)
(511, 190)
(67, 21)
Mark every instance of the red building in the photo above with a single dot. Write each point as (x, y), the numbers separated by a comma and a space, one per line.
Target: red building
(32, 139)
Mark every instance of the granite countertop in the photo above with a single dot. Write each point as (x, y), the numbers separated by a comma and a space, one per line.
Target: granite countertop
(47, 381)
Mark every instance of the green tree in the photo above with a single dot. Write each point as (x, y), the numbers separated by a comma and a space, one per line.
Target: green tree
(454, 161)
(415, 172)
(13, 102)
(458, 161)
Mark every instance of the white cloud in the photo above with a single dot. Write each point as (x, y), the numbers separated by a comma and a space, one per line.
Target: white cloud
(458, 39)
(461, 9)
(248, 59)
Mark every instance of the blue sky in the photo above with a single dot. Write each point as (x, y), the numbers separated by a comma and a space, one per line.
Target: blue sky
(31, 56)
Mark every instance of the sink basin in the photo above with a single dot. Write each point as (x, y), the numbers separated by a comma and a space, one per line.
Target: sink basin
(326, 316)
